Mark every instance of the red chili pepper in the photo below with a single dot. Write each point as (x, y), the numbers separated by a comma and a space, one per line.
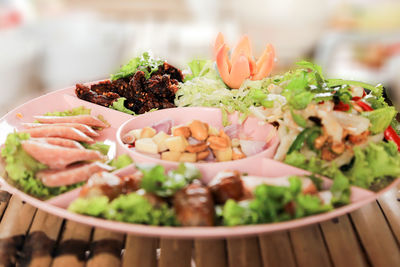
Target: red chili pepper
(390, 133)
(341, 106)
(356, 98)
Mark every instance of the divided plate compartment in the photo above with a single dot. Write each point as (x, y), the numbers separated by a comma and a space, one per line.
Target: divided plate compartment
(252, 128)
(260, 166)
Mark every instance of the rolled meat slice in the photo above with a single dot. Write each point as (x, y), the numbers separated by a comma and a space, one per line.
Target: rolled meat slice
(71, 175)
(59, 131)
(59, 142)
(251, 182)
(79, 126)
(194, 206)
(89, 120)
(58, 157)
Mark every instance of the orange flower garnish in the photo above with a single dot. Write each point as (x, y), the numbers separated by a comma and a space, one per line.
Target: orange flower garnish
(234, 70)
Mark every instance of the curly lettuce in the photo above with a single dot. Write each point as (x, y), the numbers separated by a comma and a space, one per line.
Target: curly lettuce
(131, 208)
(273, 204)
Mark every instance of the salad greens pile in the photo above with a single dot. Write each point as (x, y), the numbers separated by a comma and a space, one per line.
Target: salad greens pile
(273, 204)
(131, 208)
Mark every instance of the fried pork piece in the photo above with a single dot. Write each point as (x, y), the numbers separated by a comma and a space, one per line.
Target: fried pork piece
(71, 175)
(59, 131)
(58, 157)
(226, 185)
(141, 94)
(79, 126)
(101, 98)
(110, 185)
(88, 120)
(194, 205)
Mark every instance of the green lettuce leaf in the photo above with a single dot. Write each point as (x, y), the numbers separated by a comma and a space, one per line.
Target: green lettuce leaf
(380, 118)
(94, 206)
(119, 105)
(99, 146)
(144, 62)
(156, 181)
(198, 68)
(121, 161)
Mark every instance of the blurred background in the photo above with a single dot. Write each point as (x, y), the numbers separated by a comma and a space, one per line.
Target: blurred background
(51, 44)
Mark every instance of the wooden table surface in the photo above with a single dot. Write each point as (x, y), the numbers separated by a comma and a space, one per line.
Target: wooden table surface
(369, 236)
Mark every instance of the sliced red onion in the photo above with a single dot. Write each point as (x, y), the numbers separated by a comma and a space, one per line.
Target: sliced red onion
(252, 147)
(193, 141)
(210, 156)
(164, 125)
(233, 130)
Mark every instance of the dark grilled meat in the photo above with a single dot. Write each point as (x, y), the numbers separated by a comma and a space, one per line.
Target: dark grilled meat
(142, 95)
(104, 99)
(194, 206)
(230, 186)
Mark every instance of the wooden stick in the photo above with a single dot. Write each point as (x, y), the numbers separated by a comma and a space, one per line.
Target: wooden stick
(244, 252)
(106, 248)
(309, 247)
(342, 242)
(140, 251)
(174, 252)
(41, 240)
(14, 225)
(4, 198)
(71, 251)
(210, 253)
(276, 249)
(376, 236)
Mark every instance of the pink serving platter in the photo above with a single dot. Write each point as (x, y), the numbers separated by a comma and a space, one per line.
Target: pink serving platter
(257, 165)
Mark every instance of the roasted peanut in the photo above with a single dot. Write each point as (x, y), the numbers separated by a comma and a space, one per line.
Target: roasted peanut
(237, 154)
(203, 155)
(183, 131)
(225, 136)
(147, 132)
(338, 148)
(199, 130)
(196, 148)
(320, 141)
(217, 143)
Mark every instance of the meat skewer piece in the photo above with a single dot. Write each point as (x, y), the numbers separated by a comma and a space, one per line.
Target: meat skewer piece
(58, 157)
(226, 185)
(59, 131)
(194, 205)
(59, 142)
(88, 120)
(79, 126)
(110, 185)
(71, 175)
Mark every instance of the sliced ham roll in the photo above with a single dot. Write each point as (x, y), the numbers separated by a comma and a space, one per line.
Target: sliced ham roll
(89, 120)
(71, 175)
(58, 157)
(59, 131)
(251, 182)
(79, 126)
(59, 142)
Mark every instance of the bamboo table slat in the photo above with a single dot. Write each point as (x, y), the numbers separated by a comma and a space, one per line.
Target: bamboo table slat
(369, 236)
